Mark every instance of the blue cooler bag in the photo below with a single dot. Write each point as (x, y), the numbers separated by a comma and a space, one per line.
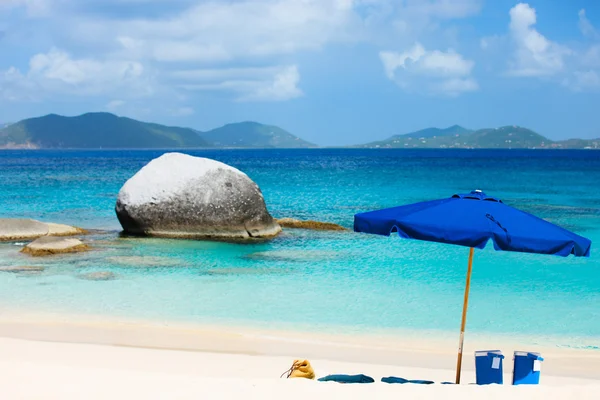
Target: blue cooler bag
(527, 368)
(488, 367)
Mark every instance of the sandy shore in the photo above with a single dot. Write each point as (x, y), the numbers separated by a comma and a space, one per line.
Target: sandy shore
(52, 358)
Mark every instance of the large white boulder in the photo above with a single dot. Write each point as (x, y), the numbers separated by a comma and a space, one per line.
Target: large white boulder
(180, 196)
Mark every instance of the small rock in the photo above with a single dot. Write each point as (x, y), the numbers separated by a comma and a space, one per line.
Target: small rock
(314, 225)
(48, 245)
(19, 269)
(16, 229)
(98, 276)
(64, 230)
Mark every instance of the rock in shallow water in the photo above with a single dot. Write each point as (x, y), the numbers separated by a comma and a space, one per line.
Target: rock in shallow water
(24, 268)
(15, 229)
(180, 196)
(292, 255)
(98, 276)
(48, 245)
(64, 230)
(244, 271)
(145, 261)
(19, 228)
(313, 225)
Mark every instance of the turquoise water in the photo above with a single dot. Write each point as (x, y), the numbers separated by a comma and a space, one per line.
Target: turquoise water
(316, 280)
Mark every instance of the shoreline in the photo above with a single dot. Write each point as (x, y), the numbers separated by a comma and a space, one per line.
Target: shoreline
(406, 348)
(319, 332)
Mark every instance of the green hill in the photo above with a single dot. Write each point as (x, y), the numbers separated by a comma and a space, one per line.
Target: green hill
(435, 132)
(578, 144)
(97, 130)
(105, 130)
(254, 135)
(422, 138)
(506, 137)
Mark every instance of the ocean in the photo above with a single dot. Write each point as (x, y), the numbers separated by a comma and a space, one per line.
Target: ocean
(323, 281)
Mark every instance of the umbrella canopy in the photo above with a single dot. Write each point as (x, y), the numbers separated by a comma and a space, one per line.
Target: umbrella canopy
(472, 220)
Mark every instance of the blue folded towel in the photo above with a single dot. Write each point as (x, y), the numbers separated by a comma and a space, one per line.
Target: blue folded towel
(394, 379)
(347, 379)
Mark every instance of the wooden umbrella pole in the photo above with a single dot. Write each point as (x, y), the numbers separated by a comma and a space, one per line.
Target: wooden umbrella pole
(464, 316)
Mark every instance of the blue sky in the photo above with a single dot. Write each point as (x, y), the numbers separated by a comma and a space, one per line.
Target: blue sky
(329, 71)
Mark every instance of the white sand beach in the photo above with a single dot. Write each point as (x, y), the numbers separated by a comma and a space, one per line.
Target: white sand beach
(56, 358)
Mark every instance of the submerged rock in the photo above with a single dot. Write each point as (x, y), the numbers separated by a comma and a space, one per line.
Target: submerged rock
(145, 261)
(20, 269)
(180, 196)
(16, 229)
(19, 228)
(27, 274)
(314, 225)
(243, 271)
(293, 255)
(48, 245)
(98, 276)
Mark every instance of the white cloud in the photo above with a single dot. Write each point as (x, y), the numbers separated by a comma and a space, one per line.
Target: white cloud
(284, 86)
(445, 9)
(583, 81)
(435, 71)
(57, 65)
(491, 43)
(418, 14)
(455, 86)
(214, 31)
(207, 75)
(123, 48)
(587, 79)
(247, 84)
(182, 112)
(225, 30)
(57, 72)
(34, 8)
(14, 86)
(531, 54)
(535, 55)
(591, 57)
(114, 105)
(586, 27)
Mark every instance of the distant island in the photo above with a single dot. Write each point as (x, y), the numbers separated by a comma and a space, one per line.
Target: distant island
(457, 137)
(105, 130)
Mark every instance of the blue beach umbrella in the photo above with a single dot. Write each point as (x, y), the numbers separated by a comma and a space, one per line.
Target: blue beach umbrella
(472, 220)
